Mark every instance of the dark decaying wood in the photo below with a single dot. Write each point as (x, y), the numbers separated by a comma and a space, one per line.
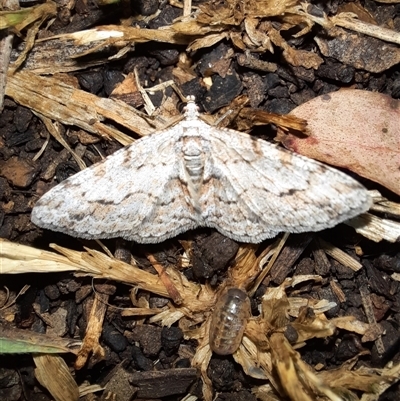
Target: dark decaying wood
(163, 383)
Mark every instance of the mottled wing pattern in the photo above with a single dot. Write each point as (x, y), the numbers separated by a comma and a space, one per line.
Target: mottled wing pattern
(196, 175)
(135, 193)
(257, 190)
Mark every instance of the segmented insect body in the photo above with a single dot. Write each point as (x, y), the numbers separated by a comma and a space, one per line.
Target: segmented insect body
(228, 321)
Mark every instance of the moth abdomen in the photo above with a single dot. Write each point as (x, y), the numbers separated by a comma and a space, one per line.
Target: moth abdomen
(228, 321)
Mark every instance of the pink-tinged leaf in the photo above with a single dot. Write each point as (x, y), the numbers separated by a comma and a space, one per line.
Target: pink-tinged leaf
(354, 129)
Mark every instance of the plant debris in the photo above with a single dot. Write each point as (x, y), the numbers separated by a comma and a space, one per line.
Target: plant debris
(111, 320)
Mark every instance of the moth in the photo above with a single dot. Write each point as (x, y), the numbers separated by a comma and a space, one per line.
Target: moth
(196, 175)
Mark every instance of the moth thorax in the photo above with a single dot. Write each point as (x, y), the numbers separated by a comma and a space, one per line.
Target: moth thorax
(193, 157)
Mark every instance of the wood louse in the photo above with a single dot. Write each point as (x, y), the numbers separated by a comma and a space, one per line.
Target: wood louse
(228, 321)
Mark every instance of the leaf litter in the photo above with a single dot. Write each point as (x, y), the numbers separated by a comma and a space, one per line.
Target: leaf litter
(260, 354)
(338, 122)
(264, 346)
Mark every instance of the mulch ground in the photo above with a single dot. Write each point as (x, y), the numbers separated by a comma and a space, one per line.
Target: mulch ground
(143, 360)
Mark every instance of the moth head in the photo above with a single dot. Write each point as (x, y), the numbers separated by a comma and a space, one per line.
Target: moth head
(191, 109)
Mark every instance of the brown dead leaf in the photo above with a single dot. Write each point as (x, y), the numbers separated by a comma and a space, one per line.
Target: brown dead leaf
(221, 13)
(19, 172)
(355, 129)
(252, 117)
(285, 360)
(207, 41)
(218, 20)
(169, 285)
(297, 58)
(53, 373)
(232, 12)
(28, 16)
(358, 10)
(91, 341)
(268, 8)
(128, 91)
(362, 379)
(256, 39)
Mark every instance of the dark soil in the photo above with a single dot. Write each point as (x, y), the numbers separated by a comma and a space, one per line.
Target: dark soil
(149, 355)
